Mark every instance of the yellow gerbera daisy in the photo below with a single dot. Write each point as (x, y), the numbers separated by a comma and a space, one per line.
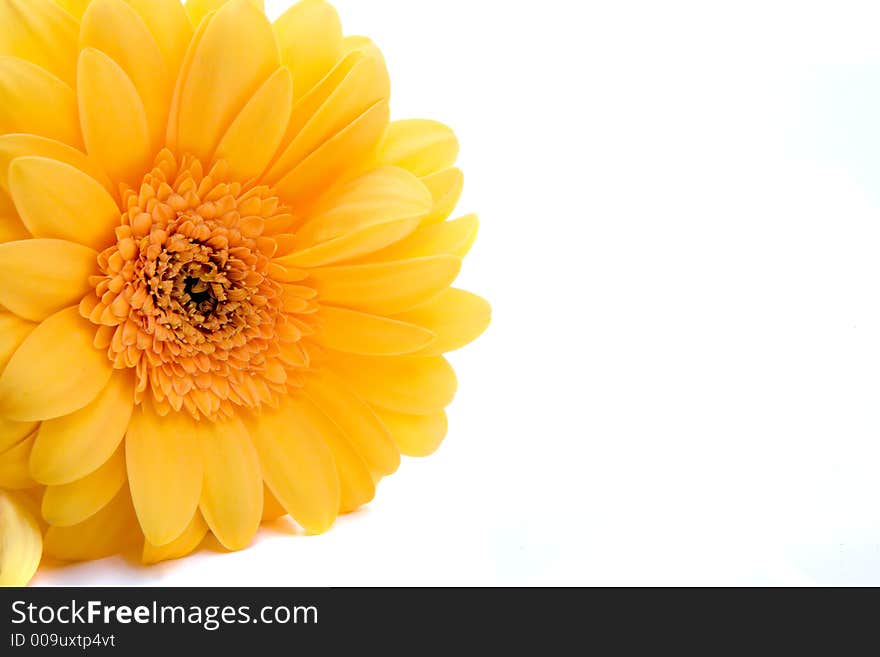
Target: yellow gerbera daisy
(224, 276)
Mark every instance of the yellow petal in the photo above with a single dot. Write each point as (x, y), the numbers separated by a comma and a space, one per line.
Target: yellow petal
(30, 500)
(114, 122)
(234, 57)
(7, 207)
(137, 54)
(170, 27)
(382, 195)
(11, 228)
(356, 484)
(34, 101)
(12, 433)
(71, 504)
(335, 157)
(417, 385)
(307, 104)
(41, 276)
(21, 545)
(310, 37)
(232, 492)
(69, 448)
(171, 134)
(347, 247)
(58, 200)
(455, 316)
(74, 7)
(358, 422)
(364, 84)
(354, 42)
(369, 213)
(110, 530)
(272, 509)
(41, 32)
(387, 287)
(181, 546)
(13, 331)
(32, 386)
(370, 335)
(445, 187)
(252, 139)
(14, 471)
(450, 238)
(415, 435)
(14, 146)
(198, 9)
(164, 463)
(418, 145)
(297, 464)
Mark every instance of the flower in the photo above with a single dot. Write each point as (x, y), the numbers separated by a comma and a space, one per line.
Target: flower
(224, 276)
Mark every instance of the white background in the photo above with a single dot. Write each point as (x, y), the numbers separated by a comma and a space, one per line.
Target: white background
(681, 241)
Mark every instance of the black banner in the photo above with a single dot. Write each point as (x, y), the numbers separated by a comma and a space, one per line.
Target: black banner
(135, 621)
(130, 621)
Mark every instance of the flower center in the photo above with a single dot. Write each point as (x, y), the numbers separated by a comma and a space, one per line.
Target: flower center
(189, 298)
